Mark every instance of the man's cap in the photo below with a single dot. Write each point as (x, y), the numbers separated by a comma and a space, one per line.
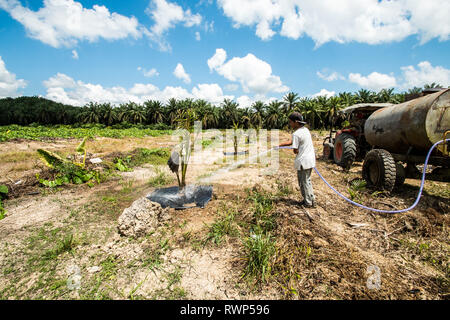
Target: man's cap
(297, 117)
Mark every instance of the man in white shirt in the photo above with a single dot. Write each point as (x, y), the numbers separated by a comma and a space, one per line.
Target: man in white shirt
(306, 158)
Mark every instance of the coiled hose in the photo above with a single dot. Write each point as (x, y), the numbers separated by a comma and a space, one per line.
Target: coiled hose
(378, 210)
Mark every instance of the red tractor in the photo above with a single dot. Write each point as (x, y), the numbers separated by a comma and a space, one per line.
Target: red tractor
(349, 144)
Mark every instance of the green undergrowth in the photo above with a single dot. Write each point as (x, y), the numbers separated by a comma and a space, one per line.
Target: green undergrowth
(140, 156)
(65, 131)
(68, 171)
(3, 194)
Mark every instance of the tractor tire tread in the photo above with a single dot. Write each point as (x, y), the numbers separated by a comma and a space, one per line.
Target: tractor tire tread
(387, 166)
(348, 150)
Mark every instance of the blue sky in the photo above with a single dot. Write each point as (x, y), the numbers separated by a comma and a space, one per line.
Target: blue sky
(118, 51)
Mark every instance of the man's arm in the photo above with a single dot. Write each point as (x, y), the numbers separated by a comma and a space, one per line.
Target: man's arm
(290, 143)
(286, 144)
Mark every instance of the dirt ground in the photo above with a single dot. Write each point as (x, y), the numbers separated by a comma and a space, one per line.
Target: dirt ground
(64, 243)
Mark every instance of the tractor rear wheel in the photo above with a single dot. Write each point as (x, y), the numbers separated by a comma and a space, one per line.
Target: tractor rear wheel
(379, 170)
(344, 151)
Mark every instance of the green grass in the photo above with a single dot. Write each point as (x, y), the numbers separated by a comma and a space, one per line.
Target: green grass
(436, 256)
(263, 202)
(155, 156)
(223, 226)
(260, 249)
(206, 143)
(161, 179)
(66, 131)
(66, 244)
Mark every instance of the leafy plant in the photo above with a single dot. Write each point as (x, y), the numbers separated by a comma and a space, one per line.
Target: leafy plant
(355, 189)
(51, 159)
(3, 193)
(67, 171)
(122, 166)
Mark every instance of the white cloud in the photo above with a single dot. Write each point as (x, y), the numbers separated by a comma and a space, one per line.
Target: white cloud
(374, 81)
(197, 36)
(149, 73)
(65, 22)
(333, 76)
(8, 82)
(253, 74)
(181, 74)
(167, 15)
(75, 54)
(217, 59)
(424, 74)
(210, 92)
(324, 93)
(366, 21)
(245, 101)
(60, 80)
(231, 87)
(64, 89)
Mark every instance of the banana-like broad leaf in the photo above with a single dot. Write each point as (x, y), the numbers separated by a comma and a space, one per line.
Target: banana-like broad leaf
(51, 159)
(3, 189)
(80, 148)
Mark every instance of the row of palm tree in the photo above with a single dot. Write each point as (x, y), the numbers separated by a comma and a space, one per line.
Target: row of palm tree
(317, 110)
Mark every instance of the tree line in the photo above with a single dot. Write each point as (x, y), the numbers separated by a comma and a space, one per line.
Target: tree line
(317, 111)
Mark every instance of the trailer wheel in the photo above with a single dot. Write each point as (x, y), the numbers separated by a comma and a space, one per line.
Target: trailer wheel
(379, 170)
(400, 174)
(344, 151)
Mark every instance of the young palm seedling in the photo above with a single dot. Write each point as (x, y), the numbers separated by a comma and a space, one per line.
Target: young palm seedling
(180, 157)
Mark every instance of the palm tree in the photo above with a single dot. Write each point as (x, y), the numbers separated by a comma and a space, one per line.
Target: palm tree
(91, 113)
(385, 95)
(365, 96)
(433, 85)
(258, 116)
(347, 99)
(137, 113)
(133, 113)
(330, 109)
(229, 113)
(171, 111)
(154, 111)
(108, 114)
(311, 111)
(290, 100)
(274, 115)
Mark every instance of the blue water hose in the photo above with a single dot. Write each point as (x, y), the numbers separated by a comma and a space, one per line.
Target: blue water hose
(378, 210)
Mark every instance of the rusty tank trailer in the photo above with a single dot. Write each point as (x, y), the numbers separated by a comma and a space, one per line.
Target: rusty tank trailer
(403, 134)
(412, 126)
